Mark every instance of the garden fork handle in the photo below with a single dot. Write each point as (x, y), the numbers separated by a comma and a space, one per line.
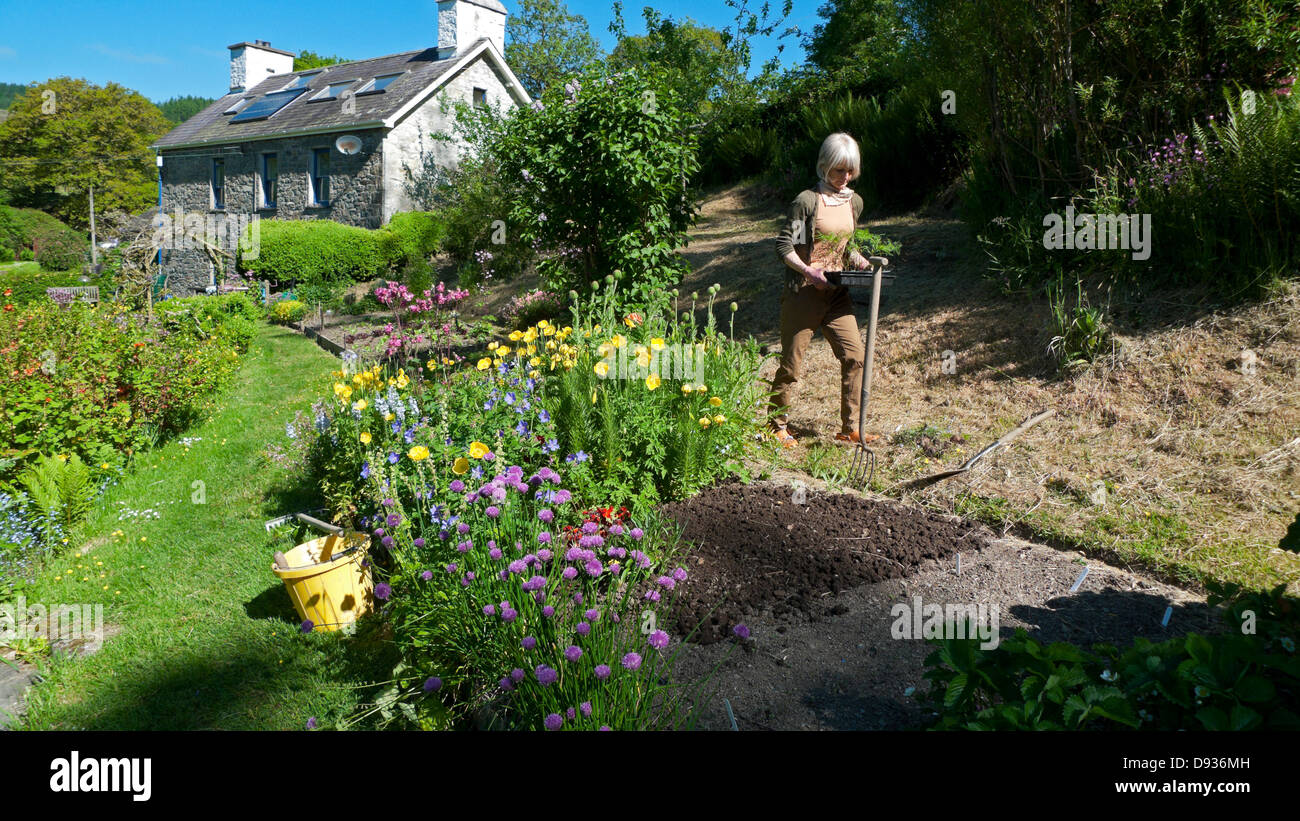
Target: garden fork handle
(871, 349)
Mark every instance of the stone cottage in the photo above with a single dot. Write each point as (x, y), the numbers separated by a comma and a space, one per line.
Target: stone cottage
(328, 143)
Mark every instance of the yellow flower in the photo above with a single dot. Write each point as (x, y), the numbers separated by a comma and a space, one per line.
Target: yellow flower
(347, 393)
(534, 374)
(657, 343)
(702, 388)
(534, 361)
(339, 388)
(365, 438)
(359, 405)
(477, 449)
(643, 359)
(686, 388)
(618, 340)
(388, 417)
(704, 421)
(593, 396)
(652, 381)
(484, 363)
(550, 345)
(503, 350)
(548, 331)
(596, 329)
(460, 465)
(530, 335)
(715, 401)
(601, 369)
(492, 346)
(719, 419)
(418, 453)
(515, 336)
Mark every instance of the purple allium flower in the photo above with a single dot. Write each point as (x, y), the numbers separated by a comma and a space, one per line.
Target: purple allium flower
(546, 515)
(383, 591)
(570, 573)
(632, 661)
(489, 609)
(311, 723)
(505, 684)
(602, 671)
(418, 541)
(573, 652)
(509, 614)
(528, 643)
(616, 529)
(308, 625)
(517, 674)
(489, 456)
(585, 707)
(492, 544)
(544, 555)
(493, 511)
(394, 520)
(637, 533)
(462, 528)
(544, 537)
(379, 531)
(548, 611)
(577, 598)
(517, 566)
(604, 729)
(652, 595)
(554, 722)
(583, 628)
(387, 541)
(451, 568)
(667, 582)
(658, 639)
(546, 676)
(432, 684)
(571, 713)
(427, 575)
(590, 527)
(457, 486)
(562, 496)
(680, 574)
(594, 567)
(592, 614)
(495, 553)
(741, 631)
(614, 568)
(463, 547)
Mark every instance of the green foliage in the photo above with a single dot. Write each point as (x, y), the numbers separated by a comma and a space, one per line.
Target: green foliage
(79, 135)
(288, 311)
(419, 235)
(307, 60)
(179, 109)
(10, 92)
(28, 283)
(1080, 333)
(545, 44)
(1245, 678)
(321, 252)
(860, 43)
(29, 229)
(597, 178)
(61, 489)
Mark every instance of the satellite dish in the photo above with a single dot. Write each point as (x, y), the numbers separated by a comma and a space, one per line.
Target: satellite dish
(348, 144)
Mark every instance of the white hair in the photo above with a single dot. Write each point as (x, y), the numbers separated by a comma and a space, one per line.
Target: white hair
(836, 149)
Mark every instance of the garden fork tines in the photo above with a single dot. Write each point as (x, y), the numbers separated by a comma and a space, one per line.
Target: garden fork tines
(863, 467)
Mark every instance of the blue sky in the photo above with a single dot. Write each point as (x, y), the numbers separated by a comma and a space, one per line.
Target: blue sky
(168, 49)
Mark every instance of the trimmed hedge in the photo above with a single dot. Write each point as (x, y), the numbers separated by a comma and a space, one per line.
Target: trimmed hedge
(419, 235)
(56, 246)
(321, 251)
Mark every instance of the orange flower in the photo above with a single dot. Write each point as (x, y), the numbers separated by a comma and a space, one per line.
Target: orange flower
(9, 307)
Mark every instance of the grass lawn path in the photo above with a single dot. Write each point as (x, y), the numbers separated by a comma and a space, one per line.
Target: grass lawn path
(201, 633)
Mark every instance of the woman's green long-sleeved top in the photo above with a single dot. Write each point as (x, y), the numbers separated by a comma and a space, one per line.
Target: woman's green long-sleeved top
(803, 210)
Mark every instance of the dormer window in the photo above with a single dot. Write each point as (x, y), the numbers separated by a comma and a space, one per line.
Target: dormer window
(332, 91)
(378, 84)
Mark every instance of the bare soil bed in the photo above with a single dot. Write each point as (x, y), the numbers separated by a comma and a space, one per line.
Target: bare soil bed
(822, 655)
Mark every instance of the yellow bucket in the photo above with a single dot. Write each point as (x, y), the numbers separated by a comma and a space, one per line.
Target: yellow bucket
(327, 581)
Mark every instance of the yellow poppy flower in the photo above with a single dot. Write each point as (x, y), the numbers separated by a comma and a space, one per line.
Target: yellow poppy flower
(657, 343)
(618, 340)
(601, 369)
(515, 336)
(460, 465)
(504, 350)
(686, 388)
(477, 449)
(702, 388)
(484, 363)
(550, 345)
(388, 417)
(715, 401)
(548, 331)
(492, 346)
(534, 374)
(534, 361)
(719, 419)
(418, 453)
(704, 421)
(643, 359)
(652, 381)
(365, 438)
(359, 405)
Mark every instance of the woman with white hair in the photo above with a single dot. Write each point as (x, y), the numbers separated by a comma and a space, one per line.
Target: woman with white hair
(814, 239)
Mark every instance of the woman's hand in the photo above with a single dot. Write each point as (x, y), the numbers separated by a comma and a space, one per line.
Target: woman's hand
(817, 279)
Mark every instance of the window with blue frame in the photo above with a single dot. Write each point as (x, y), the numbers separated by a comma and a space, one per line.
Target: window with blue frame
(218, 184)
(270, 179)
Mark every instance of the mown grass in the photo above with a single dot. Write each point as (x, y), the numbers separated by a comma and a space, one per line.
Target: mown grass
(202, 634)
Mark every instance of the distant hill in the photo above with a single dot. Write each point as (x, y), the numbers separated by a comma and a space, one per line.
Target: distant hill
(180, 109)
(9, 92)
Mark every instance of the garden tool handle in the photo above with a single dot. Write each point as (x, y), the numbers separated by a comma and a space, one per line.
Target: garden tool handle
(871, 347)
(317, 523)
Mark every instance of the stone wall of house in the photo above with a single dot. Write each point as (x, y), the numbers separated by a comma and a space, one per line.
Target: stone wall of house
(356, 195)
(403, 145)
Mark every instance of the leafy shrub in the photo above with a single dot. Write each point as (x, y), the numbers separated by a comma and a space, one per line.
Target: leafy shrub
(419, 235)
(531, 307)
(287, 311)
(62, 252)
(27, 283)
(27, 229)
(61, 489)
(320, 251)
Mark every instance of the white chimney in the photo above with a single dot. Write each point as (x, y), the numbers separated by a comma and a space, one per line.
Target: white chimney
(461, 22)
(251, 63)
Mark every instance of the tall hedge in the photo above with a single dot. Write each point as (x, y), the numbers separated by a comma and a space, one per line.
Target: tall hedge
(419, 234)
(320, 251)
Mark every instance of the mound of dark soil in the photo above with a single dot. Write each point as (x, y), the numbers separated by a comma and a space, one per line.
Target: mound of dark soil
(756, 550)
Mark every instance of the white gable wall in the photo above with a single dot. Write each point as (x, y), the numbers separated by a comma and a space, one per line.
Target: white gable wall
(402, 143)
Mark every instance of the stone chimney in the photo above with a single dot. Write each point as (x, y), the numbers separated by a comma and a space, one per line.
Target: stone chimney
(251, 63)
(461, 22)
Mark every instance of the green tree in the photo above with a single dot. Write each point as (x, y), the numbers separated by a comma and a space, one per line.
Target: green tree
(10, 92)
(179, 109)
(546, 44)
(307, 60)
(65, 135)
(696, 59)
(859, 43)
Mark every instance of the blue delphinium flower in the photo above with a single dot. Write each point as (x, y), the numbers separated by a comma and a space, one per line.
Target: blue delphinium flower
(365, 470)
(510, 397)
(392, 458)
(543, 416)
(409, 435)
(489, 404)
(477, 472)
(522, 428)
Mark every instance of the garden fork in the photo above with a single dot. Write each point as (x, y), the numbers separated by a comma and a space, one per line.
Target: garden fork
(863, 466)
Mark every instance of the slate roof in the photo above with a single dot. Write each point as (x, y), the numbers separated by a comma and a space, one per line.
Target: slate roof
(419, 70)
